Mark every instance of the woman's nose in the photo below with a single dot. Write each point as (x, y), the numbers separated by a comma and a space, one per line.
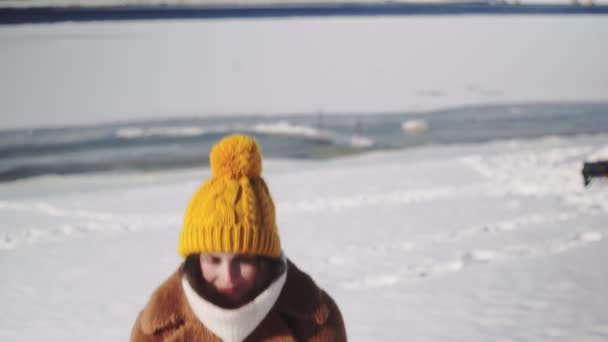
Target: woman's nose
(230, 273)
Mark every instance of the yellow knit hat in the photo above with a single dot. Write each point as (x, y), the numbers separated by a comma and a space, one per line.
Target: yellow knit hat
(232, 211)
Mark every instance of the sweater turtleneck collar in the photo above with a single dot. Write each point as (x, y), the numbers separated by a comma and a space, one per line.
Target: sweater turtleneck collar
(234, 325)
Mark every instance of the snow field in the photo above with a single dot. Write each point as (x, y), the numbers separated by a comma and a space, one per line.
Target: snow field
(473, 242)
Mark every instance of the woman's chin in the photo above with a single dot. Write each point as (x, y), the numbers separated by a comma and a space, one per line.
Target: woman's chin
(232, 298)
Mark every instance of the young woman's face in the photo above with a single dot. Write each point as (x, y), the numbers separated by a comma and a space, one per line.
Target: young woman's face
(233, 276)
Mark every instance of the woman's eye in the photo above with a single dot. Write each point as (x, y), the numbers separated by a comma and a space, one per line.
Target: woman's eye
(212, 260)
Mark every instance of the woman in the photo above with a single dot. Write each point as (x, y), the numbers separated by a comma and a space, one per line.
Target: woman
(235, 284)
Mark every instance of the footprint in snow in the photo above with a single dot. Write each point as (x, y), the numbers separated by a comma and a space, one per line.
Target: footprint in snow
(479, 256)
(7, 242)
(373, 281)
(468, 258)
(579, 240)
(589, 236)
(337, 260)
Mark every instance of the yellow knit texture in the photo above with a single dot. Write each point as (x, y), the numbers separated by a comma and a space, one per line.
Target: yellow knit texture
(232, 211)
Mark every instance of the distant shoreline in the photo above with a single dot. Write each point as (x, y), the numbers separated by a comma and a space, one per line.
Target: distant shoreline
(300, 115)
(39, 15)
(182, 143)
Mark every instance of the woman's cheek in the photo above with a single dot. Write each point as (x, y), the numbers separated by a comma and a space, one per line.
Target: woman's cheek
(248, 272)
(209, 272)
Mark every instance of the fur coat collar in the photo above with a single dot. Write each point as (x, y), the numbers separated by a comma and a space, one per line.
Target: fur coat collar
(302, 312)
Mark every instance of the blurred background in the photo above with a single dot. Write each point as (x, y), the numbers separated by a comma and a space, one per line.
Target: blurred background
(425, 158)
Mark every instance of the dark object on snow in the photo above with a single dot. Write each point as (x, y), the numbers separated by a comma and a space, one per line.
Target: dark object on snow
(594, 169)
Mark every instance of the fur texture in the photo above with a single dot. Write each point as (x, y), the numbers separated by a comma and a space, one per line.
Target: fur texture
(303, 312)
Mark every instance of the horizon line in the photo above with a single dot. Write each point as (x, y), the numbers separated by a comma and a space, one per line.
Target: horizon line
(55, 14)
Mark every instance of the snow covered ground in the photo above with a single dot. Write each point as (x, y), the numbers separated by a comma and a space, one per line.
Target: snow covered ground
(489, 242)
(484, 242)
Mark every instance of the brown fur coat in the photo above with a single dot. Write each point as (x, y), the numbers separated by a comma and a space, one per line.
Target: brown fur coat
(303, 312)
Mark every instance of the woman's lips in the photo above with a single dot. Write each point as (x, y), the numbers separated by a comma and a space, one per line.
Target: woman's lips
(231, 291)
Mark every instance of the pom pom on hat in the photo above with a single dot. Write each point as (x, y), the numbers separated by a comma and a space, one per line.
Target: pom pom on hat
(236, 156)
